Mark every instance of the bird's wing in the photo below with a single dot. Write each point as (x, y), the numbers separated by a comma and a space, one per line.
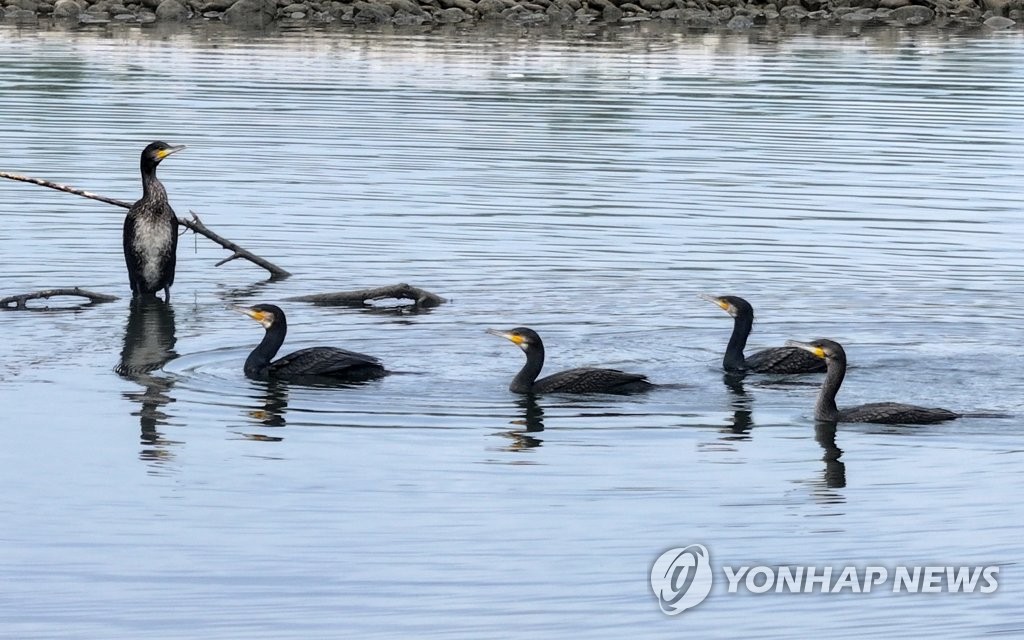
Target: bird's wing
(784, 360)
(322, 361)
(588, 379)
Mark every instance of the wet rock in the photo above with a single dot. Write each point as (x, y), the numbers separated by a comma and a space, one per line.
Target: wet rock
(125, 17)
(22, 16)
(858, 16)
(44, 9)
(172, 11)
(794, 13)
(452, 15)
(250, 14)
(404, 18)
(27, 5)
(657, 5)
(66, 10)
(146, 17)
(893, 4)
(818, 15)
(216, 5)
(999, 22)
(740, 23)
(912, 15)
(407, 6)
(295, 7)
(92, 18)
(467, 6)
(490, 9)
(371, 13)
(697, 17)
(632, 8)
(611, 13)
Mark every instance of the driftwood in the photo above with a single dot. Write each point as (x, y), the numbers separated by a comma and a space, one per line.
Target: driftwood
(193, 223)
(401, 291)
(18, 301)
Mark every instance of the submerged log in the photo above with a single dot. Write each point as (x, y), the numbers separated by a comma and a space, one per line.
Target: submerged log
(194, 223)
(19, 301)
(401, 291)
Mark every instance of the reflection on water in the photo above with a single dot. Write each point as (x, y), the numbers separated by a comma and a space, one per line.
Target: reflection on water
(274, 404)
(149, 338)
(835, 469)
(742, 413)
(532, 421)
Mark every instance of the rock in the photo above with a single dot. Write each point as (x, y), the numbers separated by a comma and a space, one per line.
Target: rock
(408, 6)
(740, 23)
(91, 18)
(468, 6)
(216, 5)
(172, 11)
(912, 15)
(490, 9)
(657, 5)
(697, 17)
(633, 8)
(795, 13)
(371, 13)
(611, 13)
(859, 16)
(146, 17)
(250, 14)
(404, 18)
(27, 5)
(22, 16)
(295, 7)
(999, 22)
(893, 4)
(818, 15)
(452, 15)
(125, 17)
(212, 15)
(560, 12)
(44, 9)
(66, 10)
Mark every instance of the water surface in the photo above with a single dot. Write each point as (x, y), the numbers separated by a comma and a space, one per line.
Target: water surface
(863, 189)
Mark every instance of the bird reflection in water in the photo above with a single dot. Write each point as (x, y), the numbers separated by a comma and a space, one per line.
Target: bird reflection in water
(275, 402)
(835, 469)
(742, 415)
(149, 345)
(532, 422)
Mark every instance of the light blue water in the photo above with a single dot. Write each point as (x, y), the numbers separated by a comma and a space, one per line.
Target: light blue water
(867, 190)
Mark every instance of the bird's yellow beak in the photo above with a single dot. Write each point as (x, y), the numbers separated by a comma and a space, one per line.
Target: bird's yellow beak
(719, 301)
(163, 153)
(261, 317)
(815, 349)
(515, 338)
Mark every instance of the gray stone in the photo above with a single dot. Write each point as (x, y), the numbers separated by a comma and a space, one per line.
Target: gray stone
(212, 15)
(150, 4)
(740, 23)
(584, 16)
(22, 16)
(696, 17)
(146, 17)
(669, 14)
(406, 19)
(407, 6)
(216, 5)
(999, 22)
(490, 9)
(467, 6)
(893, 4)
(66, 10)
(859, 16)
(371, 13)
(912, 15)
(657, 5)
(560, 12)
(295, 7)
(250, 14)
(818, 15)
(91, 18)
(125, 17)
(794, 13)
(27, 5)
(44, 9)
(172, 11)
(452, 15)
(629, 6)
(611, 13)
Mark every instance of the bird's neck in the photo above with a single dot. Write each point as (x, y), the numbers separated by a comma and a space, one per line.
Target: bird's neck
(825, 409)
(523, 382)
(734, 360)
(259, 360)
(152, 188)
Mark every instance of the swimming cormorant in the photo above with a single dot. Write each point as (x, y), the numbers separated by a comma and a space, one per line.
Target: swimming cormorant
(314, 362)
(151, 230)
(583, 380)
(825, 409)
(773, 360)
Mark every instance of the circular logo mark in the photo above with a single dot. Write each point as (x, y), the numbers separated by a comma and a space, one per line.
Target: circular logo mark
(681, 578)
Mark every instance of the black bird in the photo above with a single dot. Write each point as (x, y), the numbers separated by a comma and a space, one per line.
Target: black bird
(584, 380)
(151, 230)
(773, 360)
(825, 409)
(311, 363)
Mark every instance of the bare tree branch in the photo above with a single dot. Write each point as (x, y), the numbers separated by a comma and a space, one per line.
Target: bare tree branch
(194, 223)
(401, 291)
(19, 301)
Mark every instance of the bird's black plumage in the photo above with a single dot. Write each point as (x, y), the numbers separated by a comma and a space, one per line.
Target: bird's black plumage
(582, 380)
(877, 412)
(311, 363)
(150, 236)
(772, 360)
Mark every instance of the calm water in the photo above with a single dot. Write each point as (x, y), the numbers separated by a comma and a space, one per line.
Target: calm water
(864, 189)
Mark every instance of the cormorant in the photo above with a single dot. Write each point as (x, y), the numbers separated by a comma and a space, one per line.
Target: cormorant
(314, 362)
(773, 360)
(151, 230)
(584, 380)
(825, 409)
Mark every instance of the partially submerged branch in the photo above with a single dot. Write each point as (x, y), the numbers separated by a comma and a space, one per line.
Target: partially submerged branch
(193, 223)
(19, 301)
(400, 291)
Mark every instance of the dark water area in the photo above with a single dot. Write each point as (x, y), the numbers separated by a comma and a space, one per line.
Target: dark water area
(864, 189)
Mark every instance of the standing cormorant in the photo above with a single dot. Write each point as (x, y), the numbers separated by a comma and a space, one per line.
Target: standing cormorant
(773, 360)
(151, 230)
(314, 362)
(584, 380)
(825, 409)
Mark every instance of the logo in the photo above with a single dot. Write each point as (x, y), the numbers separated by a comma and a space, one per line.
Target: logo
(681, 578)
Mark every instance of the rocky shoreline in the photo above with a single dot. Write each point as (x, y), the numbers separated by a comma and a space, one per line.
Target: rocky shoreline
(736, 15)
